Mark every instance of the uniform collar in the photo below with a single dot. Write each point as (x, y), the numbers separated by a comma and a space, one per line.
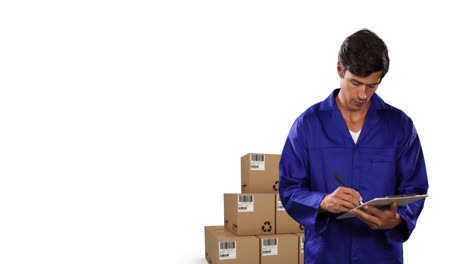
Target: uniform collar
(372, 116)
(330, 104)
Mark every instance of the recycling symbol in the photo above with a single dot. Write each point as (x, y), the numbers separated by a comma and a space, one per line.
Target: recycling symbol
(275, 186)
(266, 227)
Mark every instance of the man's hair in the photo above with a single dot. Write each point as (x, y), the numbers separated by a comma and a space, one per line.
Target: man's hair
(364, 53)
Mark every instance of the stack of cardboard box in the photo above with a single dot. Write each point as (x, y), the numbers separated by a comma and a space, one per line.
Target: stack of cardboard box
(257, 229)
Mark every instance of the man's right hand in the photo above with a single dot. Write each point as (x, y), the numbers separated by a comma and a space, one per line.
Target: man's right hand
(342, 199)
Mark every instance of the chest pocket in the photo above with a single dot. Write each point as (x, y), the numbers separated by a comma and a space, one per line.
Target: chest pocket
(379, 167)
(379, 157)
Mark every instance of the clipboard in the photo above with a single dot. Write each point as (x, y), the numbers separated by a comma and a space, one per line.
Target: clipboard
(382, 202)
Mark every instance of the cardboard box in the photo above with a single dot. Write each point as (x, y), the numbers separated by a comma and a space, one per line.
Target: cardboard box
(221, 246)
(259, 173)
(285, 224)
(301, 247)
(279, 249)
(249, 213)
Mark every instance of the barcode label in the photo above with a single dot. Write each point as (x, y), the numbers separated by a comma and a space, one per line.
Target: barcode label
(302, 245)
(227, 250)
(269, 246)
(245, 203)
(246, 198)
(258, 157)
(279, 204)
(257, 161)
(270, 242)
(227, 245)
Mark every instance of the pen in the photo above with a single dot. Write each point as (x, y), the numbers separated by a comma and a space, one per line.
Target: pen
(338, 178)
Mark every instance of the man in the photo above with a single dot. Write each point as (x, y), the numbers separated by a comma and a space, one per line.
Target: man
(375, 149)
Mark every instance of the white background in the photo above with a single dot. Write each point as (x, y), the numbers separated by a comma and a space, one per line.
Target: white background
(122, 123)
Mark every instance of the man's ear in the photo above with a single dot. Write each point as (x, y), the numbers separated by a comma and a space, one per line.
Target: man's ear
(339, 70)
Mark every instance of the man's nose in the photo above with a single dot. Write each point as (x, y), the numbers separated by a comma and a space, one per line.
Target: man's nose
(362, 95)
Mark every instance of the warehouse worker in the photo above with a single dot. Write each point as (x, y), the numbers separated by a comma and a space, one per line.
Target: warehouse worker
(371, 146)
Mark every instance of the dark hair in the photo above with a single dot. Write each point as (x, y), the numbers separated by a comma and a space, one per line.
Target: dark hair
(364, 53)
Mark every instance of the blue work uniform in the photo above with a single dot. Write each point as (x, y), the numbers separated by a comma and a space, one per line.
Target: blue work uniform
(386, 160)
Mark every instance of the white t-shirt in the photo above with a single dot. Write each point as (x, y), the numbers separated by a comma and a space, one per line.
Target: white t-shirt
(355, 135)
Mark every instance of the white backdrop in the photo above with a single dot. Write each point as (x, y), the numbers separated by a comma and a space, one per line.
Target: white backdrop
(122, 123)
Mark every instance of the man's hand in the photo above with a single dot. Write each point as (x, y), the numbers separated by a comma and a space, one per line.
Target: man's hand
(382, 219)
(342, 199)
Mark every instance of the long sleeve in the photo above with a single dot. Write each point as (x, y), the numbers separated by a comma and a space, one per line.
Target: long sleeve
(411, 170)
(299, 201)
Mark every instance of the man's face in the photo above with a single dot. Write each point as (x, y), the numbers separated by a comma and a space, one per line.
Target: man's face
(356, 91)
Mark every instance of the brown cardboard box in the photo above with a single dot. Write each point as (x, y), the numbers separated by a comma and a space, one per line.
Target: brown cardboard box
(285, 224)
(259, 173)
(301, 247)
(222, 246)
(249, 213)
(278, 249)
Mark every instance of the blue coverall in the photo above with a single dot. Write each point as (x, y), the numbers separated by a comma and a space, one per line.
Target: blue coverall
(386, 160)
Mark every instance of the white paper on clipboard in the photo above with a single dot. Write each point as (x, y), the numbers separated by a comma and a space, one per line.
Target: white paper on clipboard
(385, 201)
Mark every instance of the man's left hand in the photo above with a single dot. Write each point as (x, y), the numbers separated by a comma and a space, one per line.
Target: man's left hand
(381, 219)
